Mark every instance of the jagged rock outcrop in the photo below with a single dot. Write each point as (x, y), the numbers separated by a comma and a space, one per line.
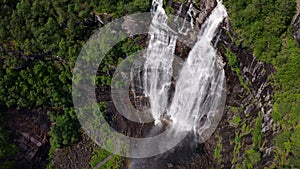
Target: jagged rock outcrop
(29, 130)
(251, 97)
(206, 6)
(296, 28)
(250, 100)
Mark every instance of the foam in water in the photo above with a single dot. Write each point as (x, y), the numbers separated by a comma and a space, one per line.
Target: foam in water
(198, 91)
(159, 58)
(200, 85)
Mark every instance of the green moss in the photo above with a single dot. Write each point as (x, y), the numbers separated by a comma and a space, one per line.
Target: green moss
(235, 109)
(114, 163)
(218, 150)
(257, 134)
(246, 129)
(99, 155)
(237, 147)
(251, 157)
(237, 121)
(233, 63)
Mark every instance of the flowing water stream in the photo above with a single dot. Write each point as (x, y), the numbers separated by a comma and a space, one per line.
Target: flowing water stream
(198, 92)
(196, 104)
(159, 58)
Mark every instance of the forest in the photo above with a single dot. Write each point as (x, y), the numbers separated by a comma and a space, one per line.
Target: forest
(41, 39)
(265, 27)
(39, 43)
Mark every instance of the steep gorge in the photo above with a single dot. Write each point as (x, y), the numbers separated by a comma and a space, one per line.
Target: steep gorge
(244, 137)
(247, 121)
(246, 133)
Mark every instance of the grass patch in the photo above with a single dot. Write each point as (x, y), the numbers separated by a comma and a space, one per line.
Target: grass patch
(99, 155)
(218, 150)
(257, 133)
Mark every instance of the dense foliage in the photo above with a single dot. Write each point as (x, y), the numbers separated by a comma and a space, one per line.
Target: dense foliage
(39, 43)
(264, 26)
(260, 24)
(65, 130)
(286, 112)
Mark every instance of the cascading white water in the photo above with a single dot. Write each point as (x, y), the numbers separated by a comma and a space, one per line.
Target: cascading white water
(197, 100)
(159, 58)
(198, 90)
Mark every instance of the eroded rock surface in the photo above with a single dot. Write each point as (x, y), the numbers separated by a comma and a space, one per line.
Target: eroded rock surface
(296, 28)
(77, 156)
(29, 130)
(251, 98)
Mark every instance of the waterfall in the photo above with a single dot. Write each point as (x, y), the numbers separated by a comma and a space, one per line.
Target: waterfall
(198, 90)
(196, 104)
(159, 58)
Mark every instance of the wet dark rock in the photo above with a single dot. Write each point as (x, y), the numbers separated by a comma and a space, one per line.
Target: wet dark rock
(206, 6)
(252, 100)
(296, 29)
(188, 154)
(255, 99)
(29, 130)
(182, 50)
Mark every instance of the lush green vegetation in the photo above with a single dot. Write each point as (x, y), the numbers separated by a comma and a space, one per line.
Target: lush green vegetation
(260, 24)
(99, 155)
(41, 39)
(264, 26)
(39, 43)
(65, 130)
(233, 63)
(118, 8)
(286, 112)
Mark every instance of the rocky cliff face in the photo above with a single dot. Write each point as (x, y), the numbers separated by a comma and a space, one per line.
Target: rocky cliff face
(248, 108)
(29, 130)
(248, 101)
(246, 116)
(296, 28)
(296, 23)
